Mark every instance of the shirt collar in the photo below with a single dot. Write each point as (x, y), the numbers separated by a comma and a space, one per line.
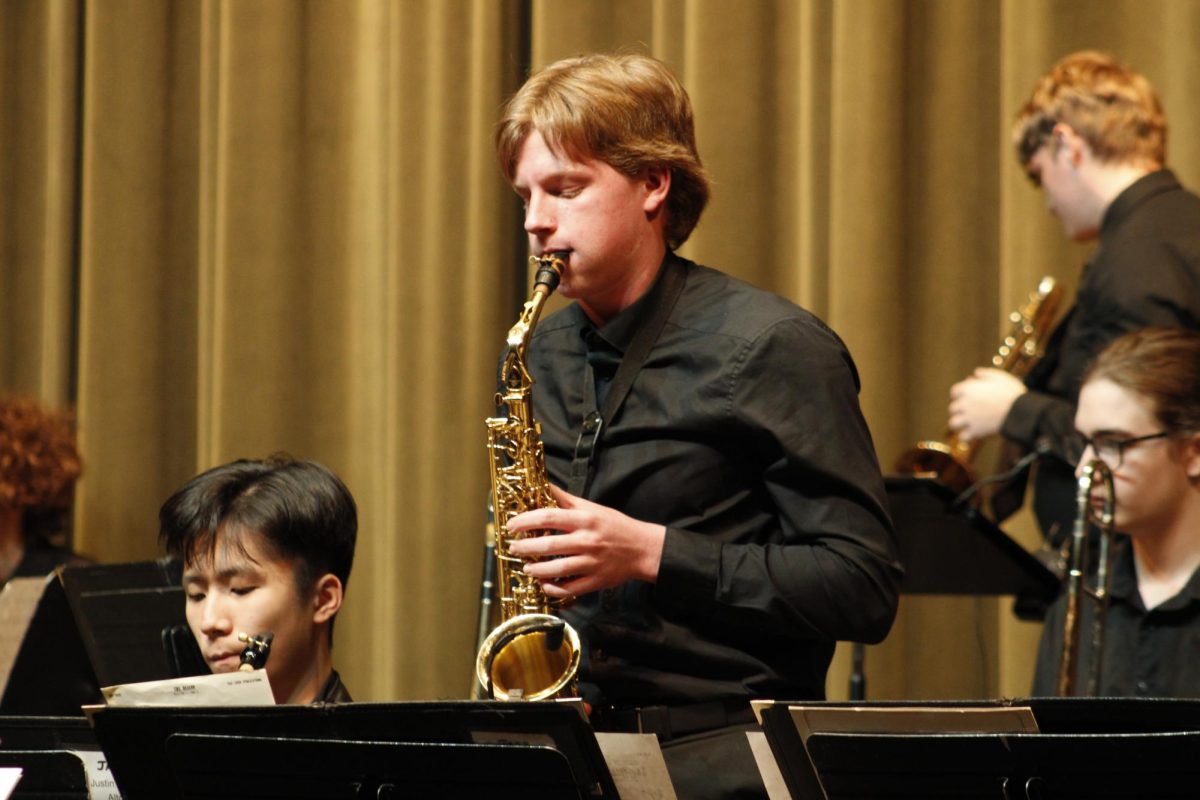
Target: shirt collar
(1124, 577)
(619, 331)
(1124, 580)
(1135, 194)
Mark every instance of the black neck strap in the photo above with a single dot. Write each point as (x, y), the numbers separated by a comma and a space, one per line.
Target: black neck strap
(594, 424)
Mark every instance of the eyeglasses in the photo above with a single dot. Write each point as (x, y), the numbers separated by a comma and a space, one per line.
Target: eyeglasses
(1111, 449)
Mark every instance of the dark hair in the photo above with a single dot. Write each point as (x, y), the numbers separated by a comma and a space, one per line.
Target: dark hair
(301, 510)
(1162, 365)
(628, 110)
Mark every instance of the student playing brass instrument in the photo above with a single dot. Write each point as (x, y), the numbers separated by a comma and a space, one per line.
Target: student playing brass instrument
(1139, 412)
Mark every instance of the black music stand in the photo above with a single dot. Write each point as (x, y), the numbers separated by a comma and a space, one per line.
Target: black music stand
(1114, 714)
(50, 673)
(314, 769)
(122, 611)
(792, 754)
(1125, 765)
(94, 625)
(138, 741)
(46, 733)
(1136, 747)
(47, 775)
(949, 550)
(38, 745)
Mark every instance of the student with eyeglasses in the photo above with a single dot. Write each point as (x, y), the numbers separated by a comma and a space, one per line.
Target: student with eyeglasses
(1139, 413)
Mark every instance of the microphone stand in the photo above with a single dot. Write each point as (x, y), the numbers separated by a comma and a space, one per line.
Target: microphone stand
(963, 501)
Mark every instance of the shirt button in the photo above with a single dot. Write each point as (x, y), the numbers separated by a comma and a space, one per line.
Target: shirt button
(608, 600)
(1143, 687)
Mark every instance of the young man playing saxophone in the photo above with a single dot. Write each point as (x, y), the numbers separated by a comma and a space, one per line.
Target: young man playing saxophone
(1093, 138)
(266, 548)
(721, 518)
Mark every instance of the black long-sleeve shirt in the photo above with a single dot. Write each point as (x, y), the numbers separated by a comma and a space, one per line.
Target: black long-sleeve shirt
(1147, 653)
(1145, 271)
(743, 435)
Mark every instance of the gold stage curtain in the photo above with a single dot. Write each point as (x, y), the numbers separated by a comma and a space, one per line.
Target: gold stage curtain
(232, 228)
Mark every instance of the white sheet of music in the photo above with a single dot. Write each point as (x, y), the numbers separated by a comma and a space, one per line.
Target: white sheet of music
(768, 767)
(223, 689)
(101, 785)
(912, 719)
(636, 764)
(18, 600)
(9, 777)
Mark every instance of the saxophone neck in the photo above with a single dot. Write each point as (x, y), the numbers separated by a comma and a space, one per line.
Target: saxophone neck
(545, 280)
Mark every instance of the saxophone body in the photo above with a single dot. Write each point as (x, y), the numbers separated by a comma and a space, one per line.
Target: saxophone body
(950, 461)
(532, 654)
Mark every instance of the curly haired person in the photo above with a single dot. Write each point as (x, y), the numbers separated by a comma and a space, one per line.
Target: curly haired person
(39, 464)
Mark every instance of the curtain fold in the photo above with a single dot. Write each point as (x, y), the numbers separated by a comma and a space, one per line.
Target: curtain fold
(229, 229)
(39, 52)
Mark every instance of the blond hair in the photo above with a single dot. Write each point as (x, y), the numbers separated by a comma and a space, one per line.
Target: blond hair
(1114, 109)
(629, 111)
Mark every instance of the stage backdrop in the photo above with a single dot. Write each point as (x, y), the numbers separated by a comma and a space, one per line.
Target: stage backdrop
(233, 228)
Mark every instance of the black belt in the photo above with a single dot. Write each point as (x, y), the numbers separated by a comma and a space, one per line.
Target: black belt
(671, 722)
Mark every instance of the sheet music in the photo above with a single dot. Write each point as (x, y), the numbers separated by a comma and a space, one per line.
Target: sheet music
(9, 776)
(18, 600)
(636, 764)
(223, 689)
(912, 719)
(101, 784)
(803, 780)
(768, 767)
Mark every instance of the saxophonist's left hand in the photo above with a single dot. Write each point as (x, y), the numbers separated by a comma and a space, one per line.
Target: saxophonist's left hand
(597, 547)
(979, 403)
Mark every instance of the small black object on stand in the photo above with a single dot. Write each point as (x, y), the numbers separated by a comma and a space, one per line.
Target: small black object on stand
(1029, 766)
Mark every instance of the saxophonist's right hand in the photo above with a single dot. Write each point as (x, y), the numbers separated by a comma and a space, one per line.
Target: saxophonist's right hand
(597, 547)
(979, 403)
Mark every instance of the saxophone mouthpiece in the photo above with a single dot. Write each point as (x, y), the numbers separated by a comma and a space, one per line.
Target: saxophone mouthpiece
(550, 269)
(256, 652)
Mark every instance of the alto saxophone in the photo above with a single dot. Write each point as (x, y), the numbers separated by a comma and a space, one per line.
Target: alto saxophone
(531, 654)
(949, 462)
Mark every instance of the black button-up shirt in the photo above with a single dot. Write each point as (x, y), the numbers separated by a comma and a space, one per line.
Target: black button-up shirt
(1147, 653)
(1145, 271)
(743, 435)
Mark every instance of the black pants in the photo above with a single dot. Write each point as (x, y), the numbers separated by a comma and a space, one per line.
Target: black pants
(714, 765)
